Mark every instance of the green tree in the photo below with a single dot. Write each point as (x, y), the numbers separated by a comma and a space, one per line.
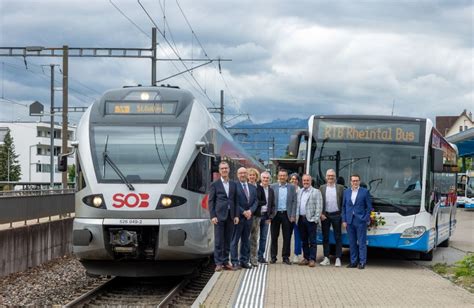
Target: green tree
(9, 164)
(71, 173)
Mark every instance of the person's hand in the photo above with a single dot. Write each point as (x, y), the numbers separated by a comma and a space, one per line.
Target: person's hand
(292, 219)
(268, 221)
(323, 217)
(214, 220)
(344, 224)
(236, 220)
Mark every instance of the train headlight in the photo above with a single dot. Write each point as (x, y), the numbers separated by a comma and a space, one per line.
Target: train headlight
(144, 96)
(168, 201)
(413, 232)
(96, 201)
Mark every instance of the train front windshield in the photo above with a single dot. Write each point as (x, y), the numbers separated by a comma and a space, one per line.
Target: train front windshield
(141, 153)
(391, 170)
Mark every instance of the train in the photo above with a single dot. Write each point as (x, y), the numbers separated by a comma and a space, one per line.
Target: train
(145, 158)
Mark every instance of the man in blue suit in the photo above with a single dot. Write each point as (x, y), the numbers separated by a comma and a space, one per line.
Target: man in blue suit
(224, 214)
(355, 218)
(247, 203)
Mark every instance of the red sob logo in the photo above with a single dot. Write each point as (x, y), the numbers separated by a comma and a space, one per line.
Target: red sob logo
(131, 200)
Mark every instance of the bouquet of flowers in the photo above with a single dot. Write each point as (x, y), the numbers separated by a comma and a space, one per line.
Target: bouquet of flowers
(376, 220)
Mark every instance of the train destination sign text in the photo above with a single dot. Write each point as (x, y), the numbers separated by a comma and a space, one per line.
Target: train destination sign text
(369, 131)
(140, 107)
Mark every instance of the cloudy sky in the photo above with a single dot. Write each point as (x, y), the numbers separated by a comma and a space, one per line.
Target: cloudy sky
(289, 58)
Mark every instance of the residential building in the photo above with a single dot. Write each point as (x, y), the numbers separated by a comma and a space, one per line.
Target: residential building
(33, 145)
(451, 125)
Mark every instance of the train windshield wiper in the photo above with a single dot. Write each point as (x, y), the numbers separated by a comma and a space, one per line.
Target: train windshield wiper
(107, 159)
(386, 201)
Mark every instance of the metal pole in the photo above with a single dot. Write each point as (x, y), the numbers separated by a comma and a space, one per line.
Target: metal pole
(8, 164)
(273, 147)
(153, 55)
(65, 106)
(51, 156)
(222, 108)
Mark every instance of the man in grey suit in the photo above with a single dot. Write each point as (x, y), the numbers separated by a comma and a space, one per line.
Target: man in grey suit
(332, 204)
(284, 214)
(308, 211)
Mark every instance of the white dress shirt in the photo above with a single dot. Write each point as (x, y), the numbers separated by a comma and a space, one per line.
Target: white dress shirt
(354, 195)
(226, 186)
(265, 207)
(331, 199)
(304, 200)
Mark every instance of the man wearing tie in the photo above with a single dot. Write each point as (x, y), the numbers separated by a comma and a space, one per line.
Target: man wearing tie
(247, 203)
(284, 214)
(355, 218)
(224, 214)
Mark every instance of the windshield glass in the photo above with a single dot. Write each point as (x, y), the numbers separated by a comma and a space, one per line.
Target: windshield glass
(141, 153)
(392, 173)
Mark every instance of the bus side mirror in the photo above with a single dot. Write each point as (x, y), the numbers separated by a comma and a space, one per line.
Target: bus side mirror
(437, 160)
(62, 162)
(295, 141)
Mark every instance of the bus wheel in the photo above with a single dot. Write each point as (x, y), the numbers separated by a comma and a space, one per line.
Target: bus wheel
(445, 243)
(426, 256)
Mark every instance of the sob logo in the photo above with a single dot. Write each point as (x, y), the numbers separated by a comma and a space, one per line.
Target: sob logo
(130, 200)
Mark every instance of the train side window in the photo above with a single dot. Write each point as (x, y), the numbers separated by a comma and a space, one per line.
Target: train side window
(81, 183)
(198, 177)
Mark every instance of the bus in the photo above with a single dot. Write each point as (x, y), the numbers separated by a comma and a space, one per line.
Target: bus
(384, 150)
(465, 189)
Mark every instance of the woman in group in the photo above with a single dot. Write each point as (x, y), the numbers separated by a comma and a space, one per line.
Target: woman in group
(295, 180)
(253, 179)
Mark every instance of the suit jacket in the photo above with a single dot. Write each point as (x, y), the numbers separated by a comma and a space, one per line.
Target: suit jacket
(290, 200)
(360, 209)
(314, 205)
(219, 203)
(339, 196)
(242, 203)
(263, 200)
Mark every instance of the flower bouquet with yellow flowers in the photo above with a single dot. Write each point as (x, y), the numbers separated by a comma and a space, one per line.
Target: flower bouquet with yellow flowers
(376, 220)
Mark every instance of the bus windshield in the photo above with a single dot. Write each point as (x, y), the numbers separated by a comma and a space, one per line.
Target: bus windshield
(140, 153)
(392, 171)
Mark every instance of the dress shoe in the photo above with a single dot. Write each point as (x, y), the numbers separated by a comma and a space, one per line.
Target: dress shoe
(287, 261)
(246, 265)
(218, 268)
(254, 263)
(312, 263)
(352, 265)
(262, 261)
(303, 262)
(273, 261)
(228, 267)
(236, 267)
(361, 266)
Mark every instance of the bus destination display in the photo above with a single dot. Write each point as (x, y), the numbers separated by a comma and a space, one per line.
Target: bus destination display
(369, 131)
(123, 108)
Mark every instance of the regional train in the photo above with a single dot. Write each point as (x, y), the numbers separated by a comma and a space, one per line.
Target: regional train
(145, 159)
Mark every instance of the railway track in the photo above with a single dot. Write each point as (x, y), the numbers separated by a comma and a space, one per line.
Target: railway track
(141, 292)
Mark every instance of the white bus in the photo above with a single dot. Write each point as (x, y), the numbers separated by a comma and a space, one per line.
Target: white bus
(465, 189)
(405, 163)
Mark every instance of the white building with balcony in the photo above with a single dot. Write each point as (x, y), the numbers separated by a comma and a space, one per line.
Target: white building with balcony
(33, 145)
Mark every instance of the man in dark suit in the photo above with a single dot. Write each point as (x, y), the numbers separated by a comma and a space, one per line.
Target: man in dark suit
(224, 214)
(284, 214)
(355, 218)
(247, 203)
(331, 216)
(266, 194)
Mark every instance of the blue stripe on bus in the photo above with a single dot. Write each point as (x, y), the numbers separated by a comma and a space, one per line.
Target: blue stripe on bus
(387, 241)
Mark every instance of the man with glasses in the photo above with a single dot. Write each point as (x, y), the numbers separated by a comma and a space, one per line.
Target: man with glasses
(332, 194)
(355, 218)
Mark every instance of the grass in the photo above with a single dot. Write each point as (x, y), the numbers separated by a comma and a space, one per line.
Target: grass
(461, 273)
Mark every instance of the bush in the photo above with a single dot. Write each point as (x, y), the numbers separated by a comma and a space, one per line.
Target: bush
(465, 267)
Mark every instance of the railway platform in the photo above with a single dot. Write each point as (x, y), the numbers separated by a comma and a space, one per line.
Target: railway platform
(389, 280)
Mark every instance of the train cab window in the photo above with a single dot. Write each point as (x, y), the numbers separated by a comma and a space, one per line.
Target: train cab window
(81, 183)
(198, 177)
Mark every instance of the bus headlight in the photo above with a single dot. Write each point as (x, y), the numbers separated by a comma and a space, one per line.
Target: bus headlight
(413, 232)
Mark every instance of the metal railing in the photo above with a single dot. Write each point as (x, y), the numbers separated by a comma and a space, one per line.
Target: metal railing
(36, 192)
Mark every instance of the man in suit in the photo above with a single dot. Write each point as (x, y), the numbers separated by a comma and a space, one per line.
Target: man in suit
(224, 215)
(247, 203)
(284, 214)
(266, 210)
(332, 194)
(355, 218)
(308, 211)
